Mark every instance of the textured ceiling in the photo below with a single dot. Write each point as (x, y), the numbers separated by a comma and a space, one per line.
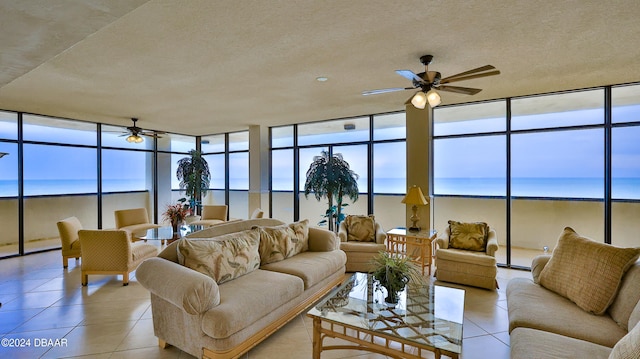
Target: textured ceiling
(201, 67)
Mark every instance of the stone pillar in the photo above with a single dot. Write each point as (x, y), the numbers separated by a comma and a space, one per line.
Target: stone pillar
(418, 163)
(258, 168)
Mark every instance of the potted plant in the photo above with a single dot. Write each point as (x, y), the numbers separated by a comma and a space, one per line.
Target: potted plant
(330, 176)
(195, 178)
(393, 271)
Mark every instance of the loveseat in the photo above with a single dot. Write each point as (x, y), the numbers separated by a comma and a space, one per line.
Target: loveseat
(227, 316)
(582, 302)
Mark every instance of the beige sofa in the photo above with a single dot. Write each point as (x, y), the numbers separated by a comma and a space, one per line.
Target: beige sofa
(543, 324)
(192, 312)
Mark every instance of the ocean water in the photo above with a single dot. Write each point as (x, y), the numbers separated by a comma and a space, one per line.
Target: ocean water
(622, 188)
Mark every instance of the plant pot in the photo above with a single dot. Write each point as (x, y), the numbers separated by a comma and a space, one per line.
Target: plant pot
(392, 298)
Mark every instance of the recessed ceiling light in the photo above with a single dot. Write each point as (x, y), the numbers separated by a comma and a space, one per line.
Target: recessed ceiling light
(322, 79)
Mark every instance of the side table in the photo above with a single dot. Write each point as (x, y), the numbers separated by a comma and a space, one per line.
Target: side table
(416, 245)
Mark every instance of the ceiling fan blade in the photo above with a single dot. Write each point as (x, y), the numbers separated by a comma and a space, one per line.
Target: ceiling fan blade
(458, 89)
(472, 71)
(393, 89)
(464, 78)
(409, 75)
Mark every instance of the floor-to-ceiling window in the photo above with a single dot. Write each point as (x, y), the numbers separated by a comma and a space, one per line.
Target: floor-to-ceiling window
(9, 182)
(127, 168)
(238, 171)
(374, 147)
(550, 156)
(625, 165)
(228, 159)
(469, 166)
(60, 177)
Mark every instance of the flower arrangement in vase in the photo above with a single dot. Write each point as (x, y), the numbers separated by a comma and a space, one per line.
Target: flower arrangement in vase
(175, 213)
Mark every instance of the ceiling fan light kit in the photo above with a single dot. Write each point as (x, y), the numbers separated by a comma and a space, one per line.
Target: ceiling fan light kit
(134, 139)
(419, 100)
(429, 81)
(134, 133)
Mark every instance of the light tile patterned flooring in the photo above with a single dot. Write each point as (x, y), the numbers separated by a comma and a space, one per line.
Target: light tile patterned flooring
(42, 301)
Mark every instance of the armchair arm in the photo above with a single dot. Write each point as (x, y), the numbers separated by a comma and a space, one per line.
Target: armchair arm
(342, 232)
(537, 265)
(492, 243)
(322, 240)
(443, 241)
(185, 288)
(381, 235)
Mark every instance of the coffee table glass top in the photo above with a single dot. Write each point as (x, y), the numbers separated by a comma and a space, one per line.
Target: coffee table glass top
(164, 233)
(431, 315)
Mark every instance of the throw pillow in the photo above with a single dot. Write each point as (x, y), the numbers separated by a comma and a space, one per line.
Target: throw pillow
(628, 347)
(586, 272)
(275, 243)
(300, 241)
(222, 258)
(468, 236)
(361, 228)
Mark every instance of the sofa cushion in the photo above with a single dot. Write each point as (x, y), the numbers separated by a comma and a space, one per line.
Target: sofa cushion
(532, 306)
(300, 240)
(586, 272)
(360, 228)
(275, 243)
(531, 343)
(311, 267)
(629, 346)
(222, 258)
(627, 298)
(246, 299)
(468, 236)
(283, 241)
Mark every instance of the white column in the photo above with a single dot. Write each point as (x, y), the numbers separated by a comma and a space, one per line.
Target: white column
(258, 168)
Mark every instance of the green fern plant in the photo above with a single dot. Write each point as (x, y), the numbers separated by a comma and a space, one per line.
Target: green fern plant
(394, 272)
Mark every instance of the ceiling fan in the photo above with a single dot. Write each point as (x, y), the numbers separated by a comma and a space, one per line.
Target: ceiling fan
(134, 133)
(429, 81)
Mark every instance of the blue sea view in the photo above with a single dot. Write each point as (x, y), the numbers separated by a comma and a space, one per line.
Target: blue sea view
(623, 188)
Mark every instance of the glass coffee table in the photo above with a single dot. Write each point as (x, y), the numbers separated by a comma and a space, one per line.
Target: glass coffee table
(163, 234)
(426, 319)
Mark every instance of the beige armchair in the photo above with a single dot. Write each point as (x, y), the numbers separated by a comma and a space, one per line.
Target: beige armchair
(68, 229)
(111, 252)
(135, 221)
(464, 266)
(212, 215)
(361, 238)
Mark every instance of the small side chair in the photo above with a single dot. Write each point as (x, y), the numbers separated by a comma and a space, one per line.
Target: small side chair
(212, 215)
(111, 252)
(135, 221)
(68, 229)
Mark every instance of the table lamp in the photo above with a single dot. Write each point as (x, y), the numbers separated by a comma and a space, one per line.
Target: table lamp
(414, 197)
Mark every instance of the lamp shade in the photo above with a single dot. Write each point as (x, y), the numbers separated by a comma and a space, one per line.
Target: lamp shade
(414, 196)
(419, 100)
(434, 98)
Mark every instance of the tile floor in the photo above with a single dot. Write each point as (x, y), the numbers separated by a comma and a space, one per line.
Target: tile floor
(43, 302)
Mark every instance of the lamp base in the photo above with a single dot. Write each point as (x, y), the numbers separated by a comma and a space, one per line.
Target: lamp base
(414, 229)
